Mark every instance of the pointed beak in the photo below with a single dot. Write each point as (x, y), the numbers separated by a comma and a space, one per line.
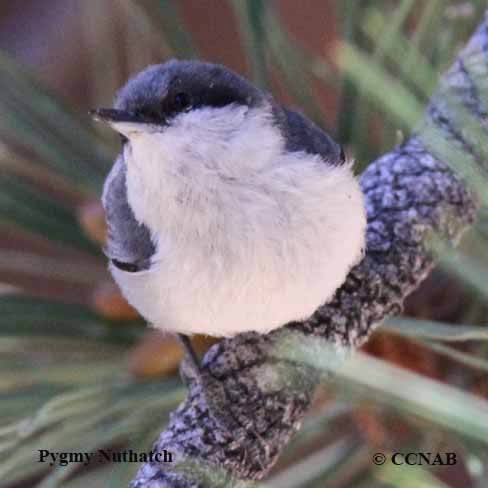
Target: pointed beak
(123, 122)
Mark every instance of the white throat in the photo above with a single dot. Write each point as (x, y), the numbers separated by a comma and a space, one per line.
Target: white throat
(192, 165)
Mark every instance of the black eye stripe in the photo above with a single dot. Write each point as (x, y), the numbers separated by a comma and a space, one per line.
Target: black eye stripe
(181, 101)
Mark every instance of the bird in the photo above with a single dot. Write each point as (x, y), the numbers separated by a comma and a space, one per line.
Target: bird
(226, 211)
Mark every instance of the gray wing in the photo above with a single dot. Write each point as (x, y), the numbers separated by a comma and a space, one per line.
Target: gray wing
(303, 135)
(129, 244)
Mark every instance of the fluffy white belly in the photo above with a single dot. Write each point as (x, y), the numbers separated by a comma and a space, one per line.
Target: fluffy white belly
(223, 304)
(257, 270)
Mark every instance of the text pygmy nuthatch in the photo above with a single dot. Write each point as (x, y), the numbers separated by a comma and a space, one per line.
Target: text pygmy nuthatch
(226, 211)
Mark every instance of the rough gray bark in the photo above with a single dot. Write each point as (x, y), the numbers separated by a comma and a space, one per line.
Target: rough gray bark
(410, 193)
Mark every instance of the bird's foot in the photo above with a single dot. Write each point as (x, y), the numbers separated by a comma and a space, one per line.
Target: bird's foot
(212, 390)
(212, 393)
(218, 404)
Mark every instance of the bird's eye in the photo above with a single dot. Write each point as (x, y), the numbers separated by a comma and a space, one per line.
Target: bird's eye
(123, 139)
(181, 102)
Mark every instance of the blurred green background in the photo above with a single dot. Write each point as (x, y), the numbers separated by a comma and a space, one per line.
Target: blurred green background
(78, 369)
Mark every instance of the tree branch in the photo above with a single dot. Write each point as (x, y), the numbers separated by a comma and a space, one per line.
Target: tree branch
(410, 193)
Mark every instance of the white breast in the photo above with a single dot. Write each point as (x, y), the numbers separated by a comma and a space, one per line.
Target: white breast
(248, 237)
